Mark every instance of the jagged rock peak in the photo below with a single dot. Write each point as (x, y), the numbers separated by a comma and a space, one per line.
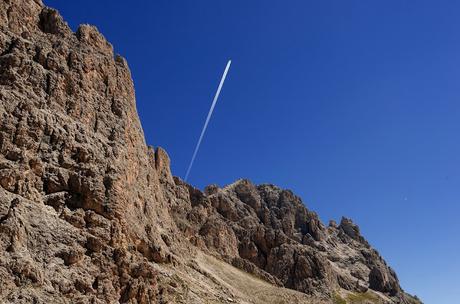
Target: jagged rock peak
(90, 214)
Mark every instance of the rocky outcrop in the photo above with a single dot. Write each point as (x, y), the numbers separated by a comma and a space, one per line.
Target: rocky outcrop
(384, 280)
(90, 214)
(81, 210)
(280, 240)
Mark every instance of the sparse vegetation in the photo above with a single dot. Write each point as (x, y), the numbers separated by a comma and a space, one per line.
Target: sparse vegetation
(413, 299)
(338, 299)
(362, 298)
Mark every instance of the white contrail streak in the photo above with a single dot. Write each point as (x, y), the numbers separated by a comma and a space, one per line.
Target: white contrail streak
(208, 118)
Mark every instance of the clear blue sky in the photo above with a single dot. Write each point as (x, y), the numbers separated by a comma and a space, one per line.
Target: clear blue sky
(354, 105)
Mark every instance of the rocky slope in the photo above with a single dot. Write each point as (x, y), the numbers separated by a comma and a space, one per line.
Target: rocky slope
(90, 214)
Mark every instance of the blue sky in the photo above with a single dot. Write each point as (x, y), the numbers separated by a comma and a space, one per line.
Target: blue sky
(354, 105)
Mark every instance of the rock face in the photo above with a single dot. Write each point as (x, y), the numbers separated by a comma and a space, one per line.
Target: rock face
(268, 231)
(90, 214)
(81, 210)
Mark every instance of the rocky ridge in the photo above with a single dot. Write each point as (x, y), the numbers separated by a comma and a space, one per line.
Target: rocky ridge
(90, 214)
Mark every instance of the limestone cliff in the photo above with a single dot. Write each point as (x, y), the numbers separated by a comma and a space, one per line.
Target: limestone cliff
(90, 214)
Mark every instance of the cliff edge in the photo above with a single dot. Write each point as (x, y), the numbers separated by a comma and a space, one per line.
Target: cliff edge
(90, 214)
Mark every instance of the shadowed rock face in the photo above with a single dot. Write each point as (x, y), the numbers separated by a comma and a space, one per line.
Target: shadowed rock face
(89, 213)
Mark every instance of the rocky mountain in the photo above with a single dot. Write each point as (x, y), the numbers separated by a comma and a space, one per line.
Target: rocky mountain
(90, 214)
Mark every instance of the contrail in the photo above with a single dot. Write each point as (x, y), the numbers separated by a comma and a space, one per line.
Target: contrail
(208, 118)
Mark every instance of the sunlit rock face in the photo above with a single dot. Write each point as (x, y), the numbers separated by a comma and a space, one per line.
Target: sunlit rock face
(81, 209)
(90, 214)
(269, 232)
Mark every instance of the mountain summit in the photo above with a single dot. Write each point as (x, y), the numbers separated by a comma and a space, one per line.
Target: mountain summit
(90, 214)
